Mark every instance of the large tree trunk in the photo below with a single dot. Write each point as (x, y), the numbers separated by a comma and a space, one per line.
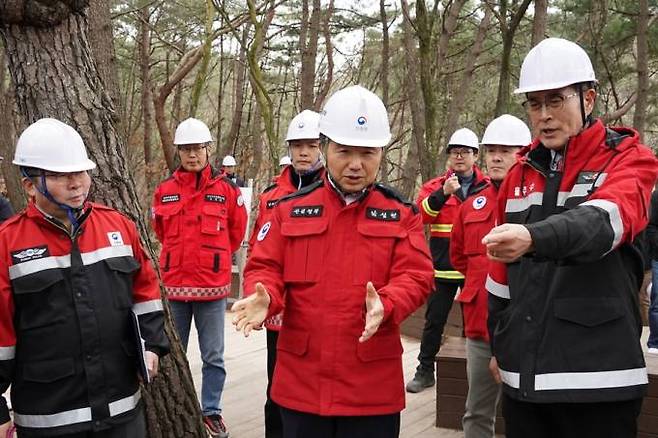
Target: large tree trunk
(8, 118)
(58, 78)
(640, 116)
(101, 41)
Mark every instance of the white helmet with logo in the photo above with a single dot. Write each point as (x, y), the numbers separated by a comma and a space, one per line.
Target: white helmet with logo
(554, 63)
(285, 160)
(355, 116)
(507, 130)
(52, 145)
(192, 131)
(229, 161)
(305, 125)
(464, 137)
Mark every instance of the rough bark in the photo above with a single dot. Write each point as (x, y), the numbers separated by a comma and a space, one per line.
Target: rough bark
(642, 66)
(102, 48)
(58, 77)
(8, 119)
(539, 21)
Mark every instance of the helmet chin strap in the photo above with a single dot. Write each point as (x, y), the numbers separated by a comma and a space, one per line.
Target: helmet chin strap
(71, 212)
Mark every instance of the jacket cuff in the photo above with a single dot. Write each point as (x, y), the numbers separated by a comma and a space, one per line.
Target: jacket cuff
(544, 238)
(437, 199)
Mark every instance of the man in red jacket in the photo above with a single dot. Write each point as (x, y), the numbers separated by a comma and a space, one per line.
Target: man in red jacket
(79, 301)
(200, 218)
(304, 148)
(438, 201)
(349, 259)
(564, 273)
(502, 140)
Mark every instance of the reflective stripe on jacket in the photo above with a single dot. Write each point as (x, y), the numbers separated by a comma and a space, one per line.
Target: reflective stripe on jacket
(564, 319)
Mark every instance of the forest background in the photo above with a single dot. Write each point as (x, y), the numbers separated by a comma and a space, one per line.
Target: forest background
(125, 73)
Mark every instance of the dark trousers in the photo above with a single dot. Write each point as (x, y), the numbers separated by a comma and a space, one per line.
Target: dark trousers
(135, 428)
(273, 425)
(571, 420)
(439, 304)
(302, 425)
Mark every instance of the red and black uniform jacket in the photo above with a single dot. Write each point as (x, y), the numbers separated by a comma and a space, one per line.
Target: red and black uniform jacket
(322, 253)
(439, 211)
(68, 313)
(286, 182)
(564, 320)
(200, 219)
(475, 218)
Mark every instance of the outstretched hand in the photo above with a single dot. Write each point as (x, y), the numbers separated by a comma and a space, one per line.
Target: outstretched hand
(374, 313)
(250, 312)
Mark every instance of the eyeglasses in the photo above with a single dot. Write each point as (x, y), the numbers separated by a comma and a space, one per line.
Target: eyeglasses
(188, 148)
(62, 177)
(461, 153)
(553, 101)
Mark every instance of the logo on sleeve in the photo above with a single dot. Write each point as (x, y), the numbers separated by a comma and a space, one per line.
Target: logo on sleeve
(264, 230)
(170, 198)
(306, 211)
(25, 255)
(221, 199)
(383, 215)
(588, 177)
(115, 238)
(240, 201)
(271, 204)
(479, 202)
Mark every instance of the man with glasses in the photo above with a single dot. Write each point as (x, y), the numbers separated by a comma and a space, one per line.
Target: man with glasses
(439, 200)
(200, 218)
(563, 315)
(75, 284)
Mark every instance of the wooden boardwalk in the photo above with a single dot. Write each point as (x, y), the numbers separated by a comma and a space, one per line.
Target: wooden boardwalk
(244, 393)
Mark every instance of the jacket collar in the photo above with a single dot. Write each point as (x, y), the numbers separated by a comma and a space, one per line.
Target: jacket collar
(196, 180)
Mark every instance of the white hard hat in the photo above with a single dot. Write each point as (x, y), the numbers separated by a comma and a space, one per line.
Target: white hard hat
(49, 144)
(507, 130)
(192, 131)
(554, 63)
(355, 116)
(285, 160)
(304, 125)
(464, 137)
(229, 161)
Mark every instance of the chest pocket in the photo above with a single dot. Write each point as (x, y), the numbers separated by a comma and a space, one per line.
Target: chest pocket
(41, 299)
(122, 270)
(213, 221)
(170, 218)
(373, 254)
(477, 224)
(305, 248)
